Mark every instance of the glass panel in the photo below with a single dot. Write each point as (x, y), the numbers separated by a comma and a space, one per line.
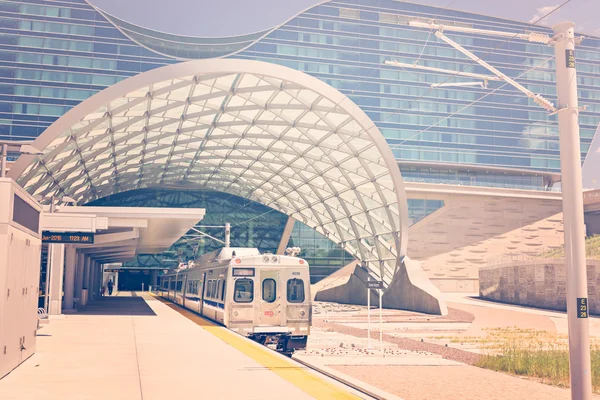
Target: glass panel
(269, 289)
(244, 291)
(295, 290)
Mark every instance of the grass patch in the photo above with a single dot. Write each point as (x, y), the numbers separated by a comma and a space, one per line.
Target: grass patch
(534, 354)
(592, 249)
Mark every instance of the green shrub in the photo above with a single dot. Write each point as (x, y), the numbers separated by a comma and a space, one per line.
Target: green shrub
(535, 354)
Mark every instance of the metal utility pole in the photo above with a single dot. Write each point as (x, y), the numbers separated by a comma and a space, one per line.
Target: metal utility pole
(564, 42)
(572, 197)
(368, 316)
(227, 234)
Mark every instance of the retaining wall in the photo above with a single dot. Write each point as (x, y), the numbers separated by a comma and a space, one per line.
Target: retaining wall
(537, 283)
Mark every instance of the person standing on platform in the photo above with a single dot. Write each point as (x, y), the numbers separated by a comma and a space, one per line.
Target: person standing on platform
(110, 287)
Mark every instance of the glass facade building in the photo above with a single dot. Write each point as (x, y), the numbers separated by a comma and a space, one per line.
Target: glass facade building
(55, 54)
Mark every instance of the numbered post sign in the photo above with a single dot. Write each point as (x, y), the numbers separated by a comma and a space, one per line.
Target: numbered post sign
(570, 56)
(582, 307)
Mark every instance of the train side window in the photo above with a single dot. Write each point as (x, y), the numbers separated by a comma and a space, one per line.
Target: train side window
(209, 289)
(218, 289)
(243, 291)
(172, 285)
(295, 290)
(223, 291)
(179, 283)
(269, 290)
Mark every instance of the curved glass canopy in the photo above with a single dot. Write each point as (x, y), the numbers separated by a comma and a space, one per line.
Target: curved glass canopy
(261, 131)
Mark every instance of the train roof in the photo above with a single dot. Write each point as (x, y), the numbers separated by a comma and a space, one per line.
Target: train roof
(226, 253)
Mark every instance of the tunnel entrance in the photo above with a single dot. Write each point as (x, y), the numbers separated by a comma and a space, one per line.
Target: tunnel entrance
(132, 280)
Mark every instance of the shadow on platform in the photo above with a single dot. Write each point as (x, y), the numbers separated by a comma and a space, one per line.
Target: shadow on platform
(117, 305)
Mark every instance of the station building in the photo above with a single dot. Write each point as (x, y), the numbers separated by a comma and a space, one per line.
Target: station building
(479, 163)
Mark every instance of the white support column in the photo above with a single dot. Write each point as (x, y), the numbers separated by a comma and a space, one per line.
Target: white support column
(572, 196)
(93, 280)
(56, 279)
(98, 279)
(86, 279)
(79, 275)
(70, 265)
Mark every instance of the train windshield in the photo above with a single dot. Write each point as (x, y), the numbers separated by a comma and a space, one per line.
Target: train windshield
(243, 291)
(295, 290)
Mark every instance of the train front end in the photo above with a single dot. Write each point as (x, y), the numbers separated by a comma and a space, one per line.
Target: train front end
(271, 301)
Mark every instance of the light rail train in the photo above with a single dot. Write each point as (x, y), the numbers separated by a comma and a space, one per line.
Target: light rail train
(265, 297)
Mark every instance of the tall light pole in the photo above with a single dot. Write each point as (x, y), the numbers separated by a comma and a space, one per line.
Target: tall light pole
(17, 147)
(572, 197)
(570, 164)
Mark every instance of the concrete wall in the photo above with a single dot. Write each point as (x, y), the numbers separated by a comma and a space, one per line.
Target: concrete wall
(477, 225)
(536, 283)
(409, 290)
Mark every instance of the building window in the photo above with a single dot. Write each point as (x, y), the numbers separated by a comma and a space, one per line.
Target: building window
(349, 13)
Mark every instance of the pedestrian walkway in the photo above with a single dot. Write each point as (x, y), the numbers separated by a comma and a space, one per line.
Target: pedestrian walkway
(132, 346)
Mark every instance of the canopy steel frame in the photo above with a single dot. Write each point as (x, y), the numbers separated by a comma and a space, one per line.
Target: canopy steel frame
(260, 131)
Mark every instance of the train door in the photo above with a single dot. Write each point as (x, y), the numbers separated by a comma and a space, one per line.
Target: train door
(202, 290)
(269, 309)
(184, 289)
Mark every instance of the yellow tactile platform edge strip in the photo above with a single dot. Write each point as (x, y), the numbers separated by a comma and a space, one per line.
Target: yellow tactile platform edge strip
(296, 375)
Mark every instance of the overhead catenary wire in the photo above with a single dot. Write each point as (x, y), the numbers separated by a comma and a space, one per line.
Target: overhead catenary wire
(469, 65)
(421, 97)
(423, 49)
(470, 104)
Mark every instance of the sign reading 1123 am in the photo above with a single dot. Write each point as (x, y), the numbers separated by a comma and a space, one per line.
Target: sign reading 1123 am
(68, 237)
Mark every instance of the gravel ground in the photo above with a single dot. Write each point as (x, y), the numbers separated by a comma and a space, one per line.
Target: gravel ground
(453, 383)
(464, 382)
(404, 343)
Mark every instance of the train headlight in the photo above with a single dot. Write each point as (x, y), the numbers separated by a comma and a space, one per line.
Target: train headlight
(302, 313)
(274, 259)
(266, 259)
(235, 313)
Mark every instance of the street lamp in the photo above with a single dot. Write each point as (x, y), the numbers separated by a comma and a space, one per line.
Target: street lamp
(20, 147)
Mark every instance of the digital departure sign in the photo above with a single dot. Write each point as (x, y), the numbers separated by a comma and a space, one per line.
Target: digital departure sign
(68, 237)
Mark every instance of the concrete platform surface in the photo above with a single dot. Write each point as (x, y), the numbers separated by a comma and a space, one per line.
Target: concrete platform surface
(136, 347)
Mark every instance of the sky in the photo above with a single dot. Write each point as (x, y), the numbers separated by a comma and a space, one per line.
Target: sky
(235, 17)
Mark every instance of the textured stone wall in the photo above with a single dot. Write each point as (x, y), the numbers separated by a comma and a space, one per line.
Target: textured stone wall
(454, 242)
(536, 283)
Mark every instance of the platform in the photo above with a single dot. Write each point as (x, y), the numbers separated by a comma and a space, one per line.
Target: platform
(135, 346)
